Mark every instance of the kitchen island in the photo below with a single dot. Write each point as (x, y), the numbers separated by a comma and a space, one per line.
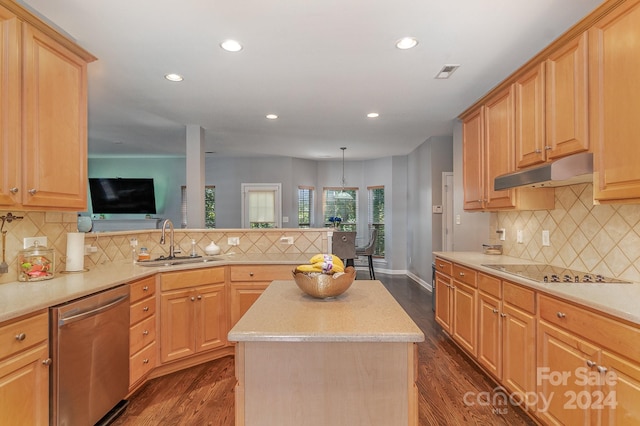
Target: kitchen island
(340, 361)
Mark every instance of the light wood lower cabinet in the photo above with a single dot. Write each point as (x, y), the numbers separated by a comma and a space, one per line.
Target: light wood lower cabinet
(142, 329)
(24, 370)
(193, 312)
(444, 301)
(249, 281)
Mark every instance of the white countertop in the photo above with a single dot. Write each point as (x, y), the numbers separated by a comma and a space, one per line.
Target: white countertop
(618, 300)
(366, 312)
(20, 298)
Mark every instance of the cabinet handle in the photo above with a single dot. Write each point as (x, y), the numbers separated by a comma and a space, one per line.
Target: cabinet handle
(145, 309)
(145, 333)
(495, 311)
(46, 361)
(145, 288)
(250, 274)
(440, 265)
(199, 297)
(503, 315)
(561, 314)
(20, 337)
(145, 361)
(601, 369)
(32, 191)
(547, 148)
(591, 363)
(462, 274)
(480, 201)
(193, 299)
(537, 151)
(13, 190)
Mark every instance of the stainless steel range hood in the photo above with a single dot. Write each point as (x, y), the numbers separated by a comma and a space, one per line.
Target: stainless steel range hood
(577, 168)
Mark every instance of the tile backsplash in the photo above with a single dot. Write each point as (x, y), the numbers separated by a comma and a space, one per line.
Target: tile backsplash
(114, 246)
(602, 239)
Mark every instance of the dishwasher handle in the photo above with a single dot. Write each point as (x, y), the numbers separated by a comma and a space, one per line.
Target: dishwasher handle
(94, 311)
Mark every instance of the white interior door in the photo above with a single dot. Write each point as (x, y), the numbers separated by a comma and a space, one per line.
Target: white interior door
(261, 205)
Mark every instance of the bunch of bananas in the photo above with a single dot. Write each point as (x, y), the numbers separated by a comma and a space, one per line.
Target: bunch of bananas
(322, 263)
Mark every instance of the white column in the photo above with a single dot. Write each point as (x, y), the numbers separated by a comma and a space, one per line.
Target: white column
(195, 176)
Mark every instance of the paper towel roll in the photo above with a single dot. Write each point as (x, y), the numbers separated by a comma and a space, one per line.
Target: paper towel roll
(75, 251)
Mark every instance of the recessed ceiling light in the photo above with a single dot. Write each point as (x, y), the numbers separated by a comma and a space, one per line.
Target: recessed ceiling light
(271, 116)
(373, 115)
(406, 43)
(174, 77)
(231, 45)
(446, 71)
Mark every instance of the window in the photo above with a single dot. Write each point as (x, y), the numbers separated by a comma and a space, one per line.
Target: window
(209, 206)
(376, 216)
(305, 206)
(341, 207)
(261, 205)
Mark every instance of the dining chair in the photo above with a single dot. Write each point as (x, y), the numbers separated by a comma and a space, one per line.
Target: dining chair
(368, 250)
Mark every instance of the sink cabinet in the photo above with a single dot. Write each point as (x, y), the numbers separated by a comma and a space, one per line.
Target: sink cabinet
(43, 92)
(24, 370)
(193, 311)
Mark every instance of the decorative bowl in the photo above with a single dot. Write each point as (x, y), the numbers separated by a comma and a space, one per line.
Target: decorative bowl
(322, 286)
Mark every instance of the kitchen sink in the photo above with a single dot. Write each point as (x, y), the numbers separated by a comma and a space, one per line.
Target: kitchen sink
(178, 260)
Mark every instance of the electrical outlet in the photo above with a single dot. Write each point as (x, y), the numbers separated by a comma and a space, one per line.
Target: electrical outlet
(545, 238)
(503, 234)
(233, 241)
(133, 242)
(519, 236)
(286, 240)
(30, 241)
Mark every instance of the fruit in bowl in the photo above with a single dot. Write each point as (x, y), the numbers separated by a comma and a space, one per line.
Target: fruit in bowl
(324, 276)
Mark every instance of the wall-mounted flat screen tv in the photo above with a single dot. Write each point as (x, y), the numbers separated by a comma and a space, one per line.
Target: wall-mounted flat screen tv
(122, 195)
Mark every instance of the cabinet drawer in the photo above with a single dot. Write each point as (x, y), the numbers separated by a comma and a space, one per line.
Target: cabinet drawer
(21, 334)
(142, 363)
(261, 272)
(602, 330)
(489, 284)
(141, 289)
(141, 310)
(518, 296)
(141, 334)
(196, 277)
(443, 266)
(465, 275)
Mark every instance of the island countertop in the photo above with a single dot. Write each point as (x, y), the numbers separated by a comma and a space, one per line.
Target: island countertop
(366, 312)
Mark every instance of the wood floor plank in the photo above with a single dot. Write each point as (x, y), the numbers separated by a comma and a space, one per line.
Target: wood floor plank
(203, 395)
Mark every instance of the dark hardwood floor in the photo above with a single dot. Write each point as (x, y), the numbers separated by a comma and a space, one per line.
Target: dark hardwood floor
(452, 389)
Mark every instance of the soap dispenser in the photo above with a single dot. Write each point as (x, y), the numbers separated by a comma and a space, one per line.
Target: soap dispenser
(212, 249)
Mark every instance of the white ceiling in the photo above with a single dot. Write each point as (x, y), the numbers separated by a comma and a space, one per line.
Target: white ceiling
(321, 65)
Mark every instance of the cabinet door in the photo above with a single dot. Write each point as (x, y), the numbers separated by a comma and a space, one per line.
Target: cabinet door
(529, 113)
(566, 99)
(444, 301)
(472, 160)
(211, 317)
(621, 391)
(614, 66)
(177, 325)
(243, 295)
(499, 157)
(54, 156)
(24, 388)
(464, 316)
(518, 350)
(489, 334)
(9, 108)
(560, 355)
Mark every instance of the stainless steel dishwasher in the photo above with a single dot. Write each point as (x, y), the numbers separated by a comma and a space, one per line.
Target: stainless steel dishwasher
(90, 353)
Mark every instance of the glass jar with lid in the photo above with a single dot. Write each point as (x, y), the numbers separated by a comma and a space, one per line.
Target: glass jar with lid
(36, 263)
(143, 254)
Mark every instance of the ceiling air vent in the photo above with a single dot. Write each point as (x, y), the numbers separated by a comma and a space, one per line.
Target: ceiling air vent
(446, 71)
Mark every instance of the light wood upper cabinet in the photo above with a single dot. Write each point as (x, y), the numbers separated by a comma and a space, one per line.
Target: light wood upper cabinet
(614, 88)
(43, 112)
(473, 159)
(529, 120)
(567, 99)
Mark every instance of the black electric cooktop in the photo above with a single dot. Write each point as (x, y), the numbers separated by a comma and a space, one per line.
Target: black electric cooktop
(549, 274)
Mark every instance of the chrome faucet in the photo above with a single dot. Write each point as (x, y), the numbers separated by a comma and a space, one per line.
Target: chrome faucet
(172, 250)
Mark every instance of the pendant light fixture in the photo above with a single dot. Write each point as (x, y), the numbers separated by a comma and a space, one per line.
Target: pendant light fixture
(342, 195)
